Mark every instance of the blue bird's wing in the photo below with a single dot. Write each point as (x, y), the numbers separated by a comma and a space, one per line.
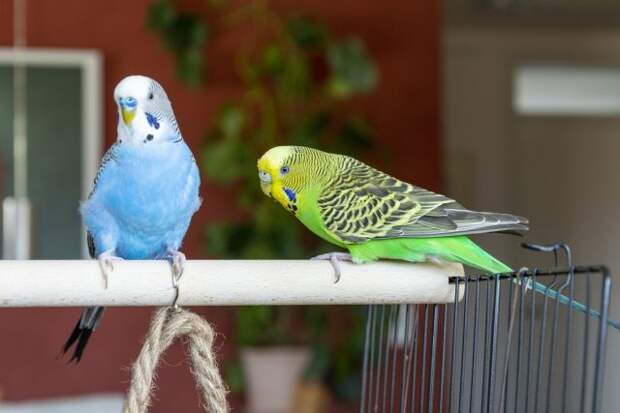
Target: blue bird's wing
(90, 315)
(109, 156)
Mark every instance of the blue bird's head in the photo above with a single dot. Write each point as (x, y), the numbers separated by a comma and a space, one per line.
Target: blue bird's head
(145, 113)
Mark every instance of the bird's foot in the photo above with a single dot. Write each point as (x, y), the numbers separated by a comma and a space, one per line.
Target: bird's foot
(177, 260)
(106, 263)
(334, 258)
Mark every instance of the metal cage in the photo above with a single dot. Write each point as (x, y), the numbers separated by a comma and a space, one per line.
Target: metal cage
(502, 347)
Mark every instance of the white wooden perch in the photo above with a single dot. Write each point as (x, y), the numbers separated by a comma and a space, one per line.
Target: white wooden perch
(223, 282)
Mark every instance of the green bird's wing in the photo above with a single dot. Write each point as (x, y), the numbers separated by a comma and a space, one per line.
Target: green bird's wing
(361, 203)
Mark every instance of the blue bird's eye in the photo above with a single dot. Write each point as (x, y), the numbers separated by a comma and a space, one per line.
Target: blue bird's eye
(284, 170)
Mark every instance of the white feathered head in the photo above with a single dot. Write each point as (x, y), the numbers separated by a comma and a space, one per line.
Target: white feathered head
(145, 114)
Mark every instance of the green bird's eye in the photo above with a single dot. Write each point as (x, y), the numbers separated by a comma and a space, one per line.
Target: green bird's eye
(284, 170)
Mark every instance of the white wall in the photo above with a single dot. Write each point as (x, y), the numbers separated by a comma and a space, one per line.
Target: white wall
(563, 172)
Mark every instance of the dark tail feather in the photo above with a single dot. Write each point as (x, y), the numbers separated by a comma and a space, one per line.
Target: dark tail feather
(82, 331)
(81, 345)
(75, 334)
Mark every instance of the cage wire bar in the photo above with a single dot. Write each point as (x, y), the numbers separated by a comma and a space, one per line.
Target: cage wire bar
(502, 348)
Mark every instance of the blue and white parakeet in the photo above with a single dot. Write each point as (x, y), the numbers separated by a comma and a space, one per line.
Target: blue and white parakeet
(145, 192)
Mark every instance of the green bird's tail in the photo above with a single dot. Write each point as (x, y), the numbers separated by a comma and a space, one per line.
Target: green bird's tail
(457, 249)
(548, 292)
(464, 250)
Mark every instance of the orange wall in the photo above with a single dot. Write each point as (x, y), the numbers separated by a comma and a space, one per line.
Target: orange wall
(402, 35)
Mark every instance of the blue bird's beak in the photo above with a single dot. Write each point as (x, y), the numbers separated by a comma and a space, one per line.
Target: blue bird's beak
(128, 107)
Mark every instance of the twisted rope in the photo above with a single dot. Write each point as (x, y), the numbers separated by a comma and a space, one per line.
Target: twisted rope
(168, 324)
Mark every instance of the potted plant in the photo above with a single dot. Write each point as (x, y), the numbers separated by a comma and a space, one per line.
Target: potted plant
(272, 361)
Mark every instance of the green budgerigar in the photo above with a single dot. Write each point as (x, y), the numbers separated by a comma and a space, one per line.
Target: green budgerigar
(376, 216)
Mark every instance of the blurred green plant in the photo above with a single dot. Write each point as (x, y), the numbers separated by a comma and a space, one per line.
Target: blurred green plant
(183, 34)
(298, 79)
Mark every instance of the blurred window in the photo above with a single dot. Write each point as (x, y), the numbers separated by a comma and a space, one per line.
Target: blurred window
(566, 90)
(63, 118)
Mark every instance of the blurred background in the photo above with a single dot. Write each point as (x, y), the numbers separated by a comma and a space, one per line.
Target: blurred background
(506, 105)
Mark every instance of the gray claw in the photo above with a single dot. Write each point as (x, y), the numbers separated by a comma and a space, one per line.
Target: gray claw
(334, 258)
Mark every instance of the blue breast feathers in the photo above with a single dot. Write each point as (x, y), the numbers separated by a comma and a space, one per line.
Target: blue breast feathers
(152, 120)
(144, 201)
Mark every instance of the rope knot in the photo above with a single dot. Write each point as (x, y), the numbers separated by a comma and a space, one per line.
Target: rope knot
(168, 324)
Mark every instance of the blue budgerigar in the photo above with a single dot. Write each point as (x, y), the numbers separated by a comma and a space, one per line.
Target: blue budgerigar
(144, 195)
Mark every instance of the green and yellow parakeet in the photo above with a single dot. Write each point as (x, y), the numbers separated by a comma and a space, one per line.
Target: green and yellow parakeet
(374, 215)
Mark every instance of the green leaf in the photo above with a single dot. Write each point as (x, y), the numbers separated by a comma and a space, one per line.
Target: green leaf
(273, 59)
(309, 130)
(251, 322)
(352, 70)
(316, 320)
(234, 376)
(185, 33)
(223, 160)
(318, 365)
(294, 81)
(190, 67)
(218, 236)
(250, 73)
(231, 120)
(258, 325)
(217, 3)
(355, 136)
(160, 15)
(306, 32)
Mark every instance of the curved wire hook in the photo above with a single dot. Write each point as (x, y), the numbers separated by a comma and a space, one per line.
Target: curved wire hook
(552, 248)
(555, 248)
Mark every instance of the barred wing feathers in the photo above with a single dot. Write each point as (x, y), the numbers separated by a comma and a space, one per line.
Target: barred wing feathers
(361, 203)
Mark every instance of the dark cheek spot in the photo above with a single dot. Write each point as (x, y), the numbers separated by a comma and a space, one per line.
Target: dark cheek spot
(149, 137)
(292, 208)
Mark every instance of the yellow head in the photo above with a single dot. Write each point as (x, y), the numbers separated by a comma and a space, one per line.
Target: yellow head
(285, 172)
